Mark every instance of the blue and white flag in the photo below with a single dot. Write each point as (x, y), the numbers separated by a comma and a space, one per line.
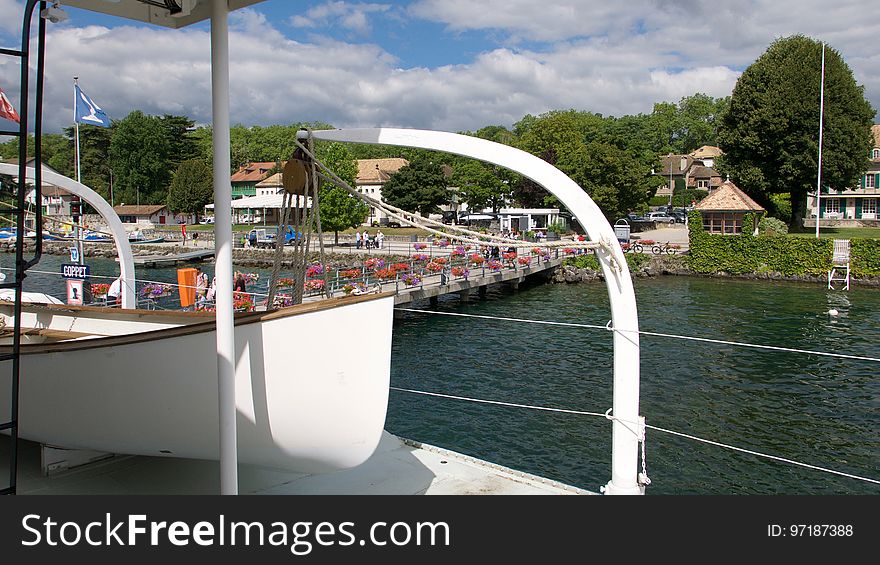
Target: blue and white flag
(87, 112)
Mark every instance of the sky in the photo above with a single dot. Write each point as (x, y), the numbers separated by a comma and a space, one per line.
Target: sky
(451, 65)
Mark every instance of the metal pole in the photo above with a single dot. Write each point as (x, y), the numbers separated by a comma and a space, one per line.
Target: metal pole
(77, 231)
(223, 247)
(821, 117)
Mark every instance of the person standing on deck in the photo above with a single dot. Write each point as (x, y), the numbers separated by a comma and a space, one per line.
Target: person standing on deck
(240, 284)
(380, 237)
(201, 284)
(114, 292)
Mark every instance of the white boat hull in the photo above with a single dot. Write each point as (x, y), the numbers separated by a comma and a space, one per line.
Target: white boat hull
(311, 383)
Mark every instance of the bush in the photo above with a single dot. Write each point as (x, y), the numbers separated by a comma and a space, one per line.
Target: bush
(772, 226)
(557, 227)
(791, 256)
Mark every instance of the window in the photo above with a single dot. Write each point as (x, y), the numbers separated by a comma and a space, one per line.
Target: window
(832, 206)
(869, 206)
(876, 154)
(703, 184)
(870, 181)
(729, 223)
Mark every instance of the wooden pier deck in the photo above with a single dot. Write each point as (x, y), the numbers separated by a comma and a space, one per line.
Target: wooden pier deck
(171, 260)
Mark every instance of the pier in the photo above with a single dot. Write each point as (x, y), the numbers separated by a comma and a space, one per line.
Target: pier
(171, 260)
(478, 280)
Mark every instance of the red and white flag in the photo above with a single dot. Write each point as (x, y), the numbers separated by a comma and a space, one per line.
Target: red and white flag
(6, 109)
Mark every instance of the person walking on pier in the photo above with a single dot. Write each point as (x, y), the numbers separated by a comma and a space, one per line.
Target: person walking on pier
(357, 239)
(380, 237)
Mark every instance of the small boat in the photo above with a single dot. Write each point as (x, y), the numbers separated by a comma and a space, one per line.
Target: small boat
(145, 382)
(141, 240)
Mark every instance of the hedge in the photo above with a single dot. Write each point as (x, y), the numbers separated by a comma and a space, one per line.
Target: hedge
(791, 256)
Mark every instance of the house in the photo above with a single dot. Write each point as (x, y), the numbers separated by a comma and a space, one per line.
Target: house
(372, 174)
(707, 154)
(54, 201)
(528, 219)
(693, 171)
(244, 180)
(725, 207)
(857, 204)
(146, 216)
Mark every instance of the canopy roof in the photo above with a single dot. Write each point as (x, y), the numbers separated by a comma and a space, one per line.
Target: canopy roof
(166, 13)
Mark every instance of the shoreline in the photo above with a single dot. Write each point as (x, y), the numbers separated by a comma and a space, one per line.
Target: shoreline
(660, 265)
(657, 265)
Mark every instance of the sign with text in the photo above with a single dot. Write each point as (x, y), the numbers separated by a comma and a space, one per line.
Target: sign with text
(69, 271)
(74, 254)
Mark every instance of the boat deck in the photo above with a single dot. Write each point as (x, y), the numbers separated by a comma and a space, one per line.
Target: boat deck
(397, 467)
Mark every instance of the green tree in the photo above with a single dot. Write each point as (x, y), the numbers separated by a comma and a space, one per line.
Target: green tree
(182, 144)
(191, 188)
(419, 187)
(606, 173)
(481, 185)
(339, 209)
(140, 158)
(769, 133)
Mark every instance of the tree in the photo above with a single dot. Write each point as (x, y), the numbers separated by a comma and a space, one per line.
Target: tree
(139, 156)
(191, 188)
(770, 131)
(419, 187)
(339, 209)
(182, 144)
(481, 185)
(607, 175)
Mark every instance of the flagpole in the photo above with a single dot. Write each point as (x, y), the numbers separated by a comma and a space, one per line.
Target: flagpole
(821, 116)
(77, 233)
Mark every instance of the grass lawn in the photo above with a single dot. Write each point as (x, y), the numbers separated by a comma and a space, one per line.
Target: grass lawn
(839, 233)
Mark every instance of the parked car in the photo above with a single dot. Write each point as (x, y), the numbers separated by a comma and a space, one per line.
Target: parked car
(205, 221)
(660, 218)
(680, 216)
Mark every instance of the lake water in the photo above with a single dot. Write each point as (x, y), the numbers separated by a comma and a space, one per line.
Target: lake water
(817, 410)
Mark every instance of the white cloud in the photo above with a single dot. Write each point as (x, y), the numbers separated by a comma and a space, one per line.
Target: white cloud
(278, 80)
(352, 16)
(12, 11)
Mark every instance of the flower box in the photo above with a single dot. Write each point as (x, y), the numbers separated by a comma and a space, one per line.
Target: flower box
(155, 290)
(100, 289)
(385, 274)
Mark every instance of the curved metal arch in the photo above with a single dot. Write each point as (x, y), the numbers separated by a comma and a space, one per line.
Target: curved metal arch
(624, 315)
(120, 237)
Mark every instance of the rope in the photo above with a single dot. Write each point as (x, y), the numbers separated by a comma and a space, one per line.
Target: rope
(399, 214)
(279, 249)
(773, 457)
(317, 206)
(608, 416)
(655, 334)
(544, 322)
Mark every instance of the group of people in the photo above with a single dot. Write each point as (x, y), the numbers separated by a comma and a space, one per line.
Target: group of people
(366, 241)
(205, 291)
